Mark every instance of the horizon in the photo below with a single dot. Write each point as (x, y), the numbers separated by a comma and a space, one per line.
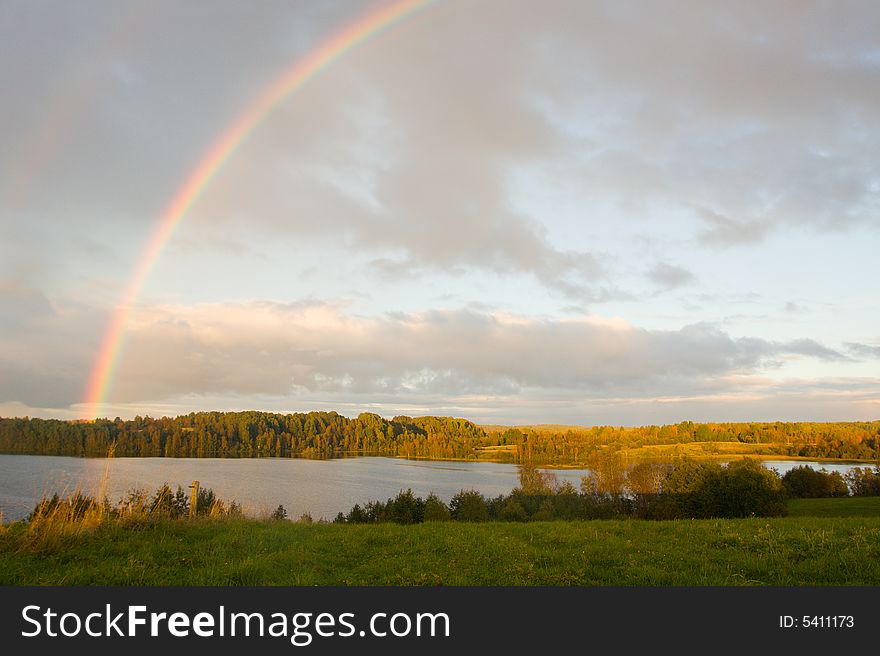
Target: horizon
(576, 214)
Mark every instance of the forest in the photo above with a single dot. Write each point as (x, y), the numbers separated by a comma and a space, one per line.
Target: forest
(254, 434)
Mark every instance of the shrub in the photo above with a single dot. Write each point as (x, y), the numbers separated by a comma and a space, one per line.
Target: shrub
(512, 511)
(545, 513)
(356, 515)
(436, 510)
(170, 504)
(806, 483)
(469, 506)
(405, 508)
(747, 488)
(703, 489)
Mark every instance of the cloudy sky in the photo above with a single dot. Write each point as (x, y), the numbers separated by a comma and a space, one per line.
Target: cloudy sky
(517, 212)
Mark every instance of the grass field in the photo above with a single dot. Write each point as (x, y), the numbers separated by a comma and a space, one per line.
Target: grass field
(799, 550)
(842, 507)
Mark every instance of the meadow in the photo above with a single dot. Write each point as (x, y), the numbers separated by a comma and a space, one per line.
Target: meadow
(823, 542)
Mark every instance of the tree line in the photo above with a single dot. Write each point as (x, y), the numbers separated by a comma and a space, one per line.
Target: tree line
(245, 435)
(255, 434)
(688, 489)
(562, 445)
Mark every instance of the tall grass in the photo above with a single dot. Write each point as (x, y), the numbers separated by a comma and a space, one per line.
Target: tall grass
(56, 521)
(59, 522)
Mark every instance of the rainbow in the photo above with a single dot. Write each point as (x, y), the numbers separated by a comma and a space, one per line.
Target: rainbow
(218, 154)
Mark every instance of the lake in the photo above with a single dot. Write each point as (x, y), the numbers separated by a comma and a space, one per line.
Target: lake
(322, 488)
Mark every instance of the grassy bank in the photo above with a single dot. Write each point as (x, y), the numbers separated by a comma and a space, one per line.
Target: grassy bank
(782, 551)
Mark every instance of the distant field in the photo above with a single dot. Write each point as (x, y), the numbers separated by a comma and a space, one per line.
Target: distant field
(842, 507)
(785, 551)
(540, 428)
(671, 452)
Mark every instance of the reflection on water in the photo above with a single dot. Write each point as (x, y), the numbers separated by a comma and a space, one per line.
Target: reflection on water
(320, 487)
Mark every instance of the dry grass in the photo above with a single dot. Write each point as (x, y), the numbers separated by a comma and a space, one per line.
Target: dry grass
(55, 522)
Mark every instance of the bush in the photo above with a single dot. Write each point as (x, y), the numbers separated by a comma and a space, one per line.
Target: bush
(806, 483)
(469, 506)
(405, 508)
(206, 501)
(746, 488)
(170, 504)
(743, 488)
(690, 489)
(512, 511)
(279, 514)
(546, 512)
(435, 510)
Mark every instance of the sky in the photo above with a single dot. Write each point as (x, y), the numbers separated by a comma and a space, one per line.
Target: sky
(572, 212)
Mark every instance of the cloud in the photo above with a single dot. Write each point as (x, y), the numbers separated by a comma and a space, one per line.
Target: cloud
(465, 154)
(723, 231)
(22, 306)
(45, 346)
(670, 276)
(411, 148)
(480, 363)
(863, 351)
(277, 349)
(813, 349)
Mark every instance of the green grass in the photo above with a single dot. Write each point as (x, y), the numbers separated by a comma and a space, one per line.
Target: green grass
(842, 507)
(783, 551)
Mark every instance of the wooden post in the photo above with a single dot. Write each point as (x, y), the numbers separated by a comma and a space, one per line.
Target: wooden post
(193, 499)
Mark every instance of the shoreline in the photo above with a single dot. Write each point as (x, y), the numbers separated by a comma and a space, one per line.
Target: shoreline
(577, 465)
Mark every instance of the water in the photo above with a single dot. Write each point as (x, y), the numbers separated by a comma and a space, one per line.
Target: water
(322, 488)
(783, 466)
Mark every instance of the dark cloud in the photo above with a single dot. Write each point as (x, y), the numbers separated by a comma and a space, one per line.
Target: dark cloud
(36, 385)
